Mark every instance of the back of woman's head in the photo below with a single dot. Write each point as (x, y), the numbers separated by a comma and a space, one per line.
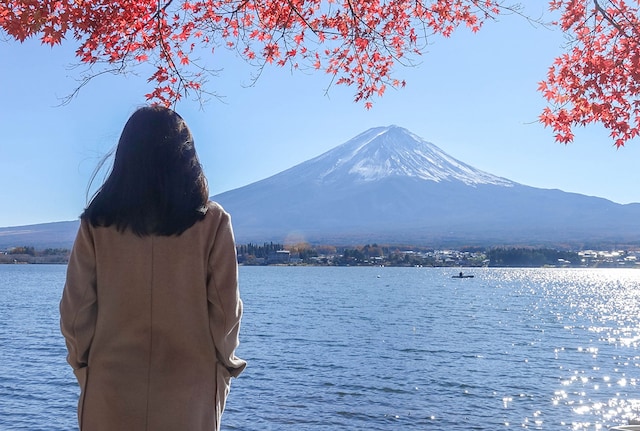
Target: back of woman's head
(156, 185)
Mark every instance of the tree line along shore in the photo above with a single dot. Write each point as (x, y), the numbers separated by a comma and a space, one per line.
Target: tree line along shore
(383, 255)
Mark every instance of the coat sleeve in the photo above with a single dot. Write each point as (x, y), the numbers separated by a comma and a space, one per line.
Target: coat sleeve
(78, 307)
(225, 306)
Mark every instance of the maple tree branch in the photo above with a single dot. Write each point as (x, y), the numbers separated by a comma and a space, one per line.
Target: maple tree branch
(241, 5)
(357, 18)
(302, 18)
(119, 70)
(624, 17)
(519, 10)
(166, 50)
(608, 17)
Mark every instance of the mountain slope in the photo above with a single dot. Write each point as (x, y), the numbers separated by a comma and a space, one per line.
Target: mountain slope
(389, 185)
(41, 236)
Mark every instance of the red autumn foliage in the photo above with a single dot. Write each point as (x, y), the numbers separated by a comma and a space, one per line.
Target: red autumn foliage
(357, 42)
(598, 79)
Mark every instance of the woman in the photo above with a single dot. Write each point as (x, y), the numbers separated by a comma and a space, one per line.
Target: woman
(150, 309)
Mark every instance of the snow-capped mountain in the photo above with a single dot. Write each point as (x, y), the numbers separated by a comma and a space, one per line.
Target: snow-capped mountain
(389, 185)
(393, 151)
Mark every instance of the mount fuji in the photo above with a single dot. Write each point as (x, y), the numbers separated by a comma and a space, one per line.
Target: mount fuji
(389, 185)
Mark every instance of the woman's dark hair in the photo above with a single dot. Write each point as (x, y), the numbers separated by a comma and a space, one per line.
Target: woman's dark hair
(156, 185)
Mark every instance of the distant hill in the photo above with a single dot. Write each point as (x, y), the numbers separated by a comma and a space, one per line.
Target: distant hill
(388, 185)
(41, 236)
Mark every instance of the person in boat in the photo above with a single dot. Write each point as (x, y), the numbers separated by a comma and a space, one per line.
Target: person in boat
(150, 310)
(460, 274)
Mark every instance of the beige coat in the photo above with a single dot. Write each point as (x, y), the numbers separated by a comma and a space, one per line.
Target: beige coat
(151, 324)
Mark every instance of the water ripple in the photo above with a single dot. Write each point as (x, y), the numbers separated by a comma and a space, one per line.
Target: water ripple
(378, 349)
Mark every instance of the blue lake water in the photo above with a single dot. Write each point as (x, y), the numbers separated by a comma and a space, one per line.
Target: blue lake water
(378, 349)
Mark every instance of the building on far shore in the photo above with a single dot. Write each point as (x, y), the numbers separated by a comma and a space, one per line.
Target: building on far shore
(279, 257)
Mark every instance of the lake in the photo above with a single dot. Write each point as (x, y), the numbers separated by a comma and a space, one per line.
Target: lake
(364, 348)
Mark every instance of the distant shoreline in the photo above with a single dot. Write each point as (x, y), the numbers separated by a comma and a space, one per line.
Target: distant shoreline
(272, 254)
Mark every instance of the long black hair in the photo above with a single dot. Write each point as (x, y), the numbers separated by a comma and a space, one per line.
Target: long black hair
(156, 185)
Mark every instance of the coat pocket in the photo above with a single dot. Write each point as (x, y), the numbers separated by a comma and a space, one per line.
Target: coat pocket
(223, 384)
(81, 376)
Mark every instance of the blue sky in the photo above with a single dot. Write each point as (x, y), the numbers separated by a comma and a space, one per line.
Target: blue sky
(474, 96)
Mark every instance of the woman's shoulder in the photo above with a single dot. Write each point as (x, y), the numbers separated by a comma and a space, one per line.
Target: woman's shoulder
(216, 213)
(216, 219)
(215, 209)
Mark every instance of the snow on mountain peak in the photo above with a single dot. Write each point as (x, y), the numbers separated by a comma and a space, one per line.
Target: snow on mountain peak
(393, 151)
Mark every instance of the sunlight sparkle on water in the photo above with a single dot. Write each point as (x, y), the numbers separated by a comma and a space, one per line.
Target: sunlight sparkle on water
(605, 303)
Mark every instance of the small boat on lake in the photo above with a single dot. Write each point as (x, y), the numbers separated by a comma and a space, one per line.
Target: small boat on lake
(461, 275)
